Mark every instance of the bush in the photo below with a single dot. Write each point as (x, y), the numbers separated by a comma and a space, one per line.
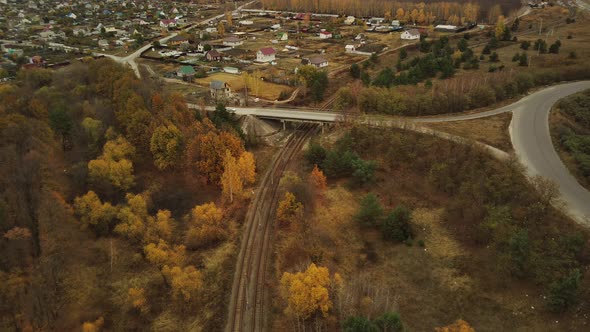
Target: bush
(494, 57)
(396, 226)
(525, 45)
(481, 96)
(390, 322)
(358, 324)
(355, 71)
(563, 294)
(364, 171)
(315, 154)
(370, 211)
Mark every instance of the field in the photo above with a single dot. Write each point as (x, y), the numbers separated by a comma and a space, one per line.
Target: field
(269, 91)
(492, 130)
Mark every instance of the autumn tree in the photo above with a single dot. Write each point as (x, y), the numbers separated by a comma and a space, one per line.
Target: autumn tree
(289, 210)
(163, 255)
(307, 293)
(458, 326)
(95, 326)
(229, 18)
(113, 167)
(159, 226)
(231, 181)
(206, 151)
(318, 179)
(137, 299)
(221, 29)
(247, 167)
(95, 214)
(133, 217)
(186, 283)
(167, 146)
(205, 226)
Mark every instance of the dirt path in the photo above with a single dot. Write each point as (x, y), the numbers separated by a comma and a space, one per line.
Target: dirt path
(247, 310)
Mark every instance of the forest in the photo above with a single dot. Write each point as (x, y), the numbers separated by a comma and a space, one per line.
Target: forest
(119, 205)
(423, 12)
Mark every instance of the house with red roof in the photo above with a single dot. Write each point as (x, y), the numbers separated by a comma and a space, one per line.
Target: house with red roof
(325, 35)
(266, 54)
(166, 24)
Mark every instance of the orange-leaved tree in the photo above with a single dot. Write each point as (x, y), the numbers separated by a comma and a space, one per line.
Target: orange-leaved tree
(137, 300)
(458, 326)
(318, 179)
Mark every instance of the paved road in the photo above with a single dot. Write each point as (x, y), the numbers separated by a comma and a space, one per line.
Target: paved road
(529, 131)
(530, 136)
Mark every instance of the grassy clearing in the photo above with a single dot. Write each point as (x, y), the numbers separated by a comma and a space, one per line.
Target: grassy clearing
(267, 90)
(492, 130)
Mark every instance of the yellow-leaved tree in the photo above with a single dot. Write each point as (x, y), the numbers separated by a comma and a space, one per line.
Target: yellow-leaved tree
(93, 213)
(289, 210)
(164, 255)
(185, 282)
(308, 292)
(247, 167)
(205, 226)
(167, 146)
(133, 217)
(113, 167)
(231, 181)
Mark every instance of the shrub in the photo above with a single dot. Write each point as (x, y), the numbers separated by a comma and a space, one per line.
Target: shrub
(396, 226)
(355, 70)
(525, 45)
(315, 154)
(563, 294)
(370, 211)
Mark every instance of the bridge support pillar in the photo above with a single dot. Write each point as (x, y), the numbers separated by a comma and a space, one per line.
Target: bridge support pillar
(284, 127)
(322, 126)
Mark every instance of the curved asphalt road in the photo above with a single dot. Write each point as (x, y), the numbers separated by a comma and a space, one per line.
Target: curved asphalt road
(529, 131)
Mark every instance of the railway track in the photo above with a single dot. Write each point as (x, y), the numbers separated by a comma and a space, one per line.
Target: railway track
(248, 297)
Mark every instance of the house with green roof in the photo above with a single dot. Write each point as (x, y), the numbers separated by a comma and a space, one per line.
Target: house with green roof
(187, 73)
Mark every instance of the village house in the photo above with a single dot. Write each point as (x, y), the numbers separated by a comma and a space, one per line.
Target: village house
(103, 43)
(325, 35)
(411, 34)
(213, 55)
(187, 73)
(266, 54)
(232, 41)
(316, 61)
(167, 24)
(350, 48)
(220, 90)
(349, 20)
(47, 33)
(177, 40)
